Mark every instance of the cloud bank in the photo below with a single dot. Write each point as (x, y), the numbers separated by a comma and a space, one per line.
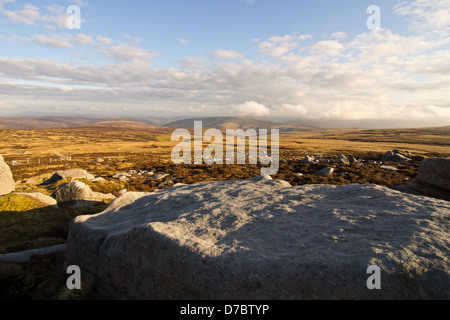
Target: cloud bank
(377, 74)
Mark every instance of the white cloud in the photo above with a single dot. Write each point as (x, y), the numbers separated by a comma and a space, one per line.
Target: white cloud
(54, 41)
(80, 3)
(251, 108)
(327, 47)
(28, 15)
(5, 105)
(339, 35)
(125, 52)
(83, 39)
(281, 45)
(378, 75)
(428, 14)
(104, 40)
(183, 41)
(226, 54)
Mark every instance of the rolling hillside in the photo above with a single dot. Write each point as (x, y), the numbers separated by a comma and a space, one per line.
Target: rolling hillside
(223, 123)
(59, 122)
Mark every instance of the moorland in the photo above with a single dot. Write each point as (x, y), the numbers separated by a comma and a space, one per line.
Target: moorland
(110, 147)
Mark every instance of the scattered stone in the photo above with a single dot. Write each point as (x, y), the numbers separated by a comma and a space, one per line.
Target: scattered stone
(298, 174)
(433, 178)
(79, 194)
(342, 159)
(25, 256)
(324, 172)
(98, 179)
(121, 192)
(264, 240)
(69, 174)
(162, 176)
(179, 185)
(165, 184)
(389, 168)
(394, 156)
(99, 160)
(308, 160)
(7, 183)
(120, 174)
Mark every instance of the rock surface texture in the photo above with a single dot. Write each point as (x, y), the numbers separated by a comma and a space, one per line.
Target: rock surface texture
(7, 183)
(263, 239)
(433, 178)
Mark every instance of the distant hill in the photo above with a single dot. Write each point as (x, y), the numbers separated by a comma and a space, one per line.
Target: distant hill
(125, 126)
(223, 123)
(44, 122)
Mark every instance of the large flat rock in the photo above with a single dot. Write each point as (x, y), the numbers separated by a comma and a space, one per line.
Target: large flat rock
(265, 240)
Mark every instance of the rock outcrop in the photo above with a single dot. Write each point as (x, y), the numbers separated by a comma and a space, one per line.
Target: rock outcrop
(263, 239)
(77, 193)
(395, 156)
(7, 183)
(69, 174)
(51, 202)
(433, 178)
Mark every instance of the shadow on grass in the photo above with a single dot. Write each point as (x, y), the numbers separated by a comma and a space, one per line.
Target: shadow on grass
(43, 277)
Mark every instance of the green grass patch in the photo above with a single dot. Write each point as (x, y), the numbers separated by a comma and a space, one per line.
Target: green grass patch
(26, 223)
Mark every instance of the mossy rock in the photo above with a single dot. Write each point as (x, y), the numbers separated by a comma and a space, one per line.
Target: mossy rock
(19, 203)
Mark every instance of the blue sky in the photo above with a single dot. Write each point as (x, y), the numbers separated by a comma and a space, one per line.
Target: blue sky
(291, 58)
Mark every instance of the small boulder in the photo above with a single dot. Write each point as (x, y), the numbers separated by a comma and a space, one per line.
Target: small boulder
(51, 202)
(79, 194)
(162, 176)
(394, 156)
(69, 174)
(324, 172)
(389, 168)
(433, 178)
(308, 160)
(342, 159)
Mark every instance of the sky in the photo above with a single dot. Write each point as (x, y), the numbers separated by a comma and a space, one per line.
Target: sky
(320, 59)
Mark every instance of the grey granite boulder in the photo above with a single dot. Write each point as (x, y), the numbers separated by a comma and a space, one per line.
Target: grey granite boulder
(325, 172)
(263, 239)
(7, 183)
(77, 193)
(69, 174)
(395, 156)
(51, 202)
(433, 178)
